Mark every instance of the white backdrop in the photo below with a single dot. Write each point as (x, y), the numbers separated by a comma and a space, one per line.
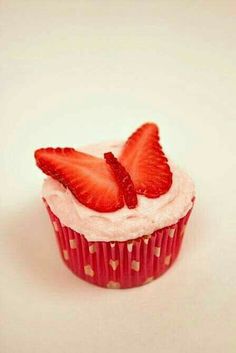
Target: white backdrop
(78, 72)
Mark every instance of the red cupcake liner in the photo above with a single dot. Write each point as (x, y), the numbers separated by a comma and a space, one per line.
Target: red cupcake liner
(117, 264)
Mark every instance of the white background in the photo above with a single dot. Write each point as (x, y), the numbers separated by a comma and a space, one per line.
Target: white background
(78, 72)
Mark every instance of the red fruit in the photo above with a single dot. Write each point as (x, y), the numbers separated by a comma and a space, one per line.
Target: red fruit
(123, 180)
(89, 178)
(144, 160)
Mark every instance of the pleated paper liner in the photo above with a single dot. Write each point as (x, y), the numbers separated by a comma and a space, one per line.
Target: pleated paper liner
(119, 264)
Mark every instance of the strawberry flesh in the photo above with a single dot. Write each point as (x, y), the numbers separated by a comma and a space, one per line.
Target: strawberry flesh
(143, 158)
(90, 179)
(104, 185)
(123, 180)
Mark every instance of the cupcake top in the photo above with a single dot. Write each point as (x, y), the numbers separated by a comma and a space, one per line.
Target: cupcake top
(116, 192)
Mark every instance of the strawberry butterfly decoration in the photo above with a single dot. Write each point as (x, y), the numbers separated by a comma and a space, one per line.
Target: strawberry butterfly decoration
(106, 185)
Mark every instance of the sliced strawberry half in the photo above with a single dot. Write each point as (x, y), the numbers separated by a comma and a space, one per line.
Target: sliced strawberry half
(123, 180)
(143, 158)
(89, 178)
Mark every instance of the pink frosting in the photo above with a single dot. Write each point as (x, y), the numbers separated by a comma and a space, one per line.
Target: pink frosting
(124, 224)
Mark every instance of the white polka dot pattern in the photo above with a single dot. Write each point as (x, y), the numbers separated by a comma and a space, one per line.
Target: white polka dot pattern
(171, 232)
(157, 251)
(65, 255)
(130, 247)
(135, 265)
(167, 260)
(92, 248)
(148, 280)
(114, 264)
(73, 243)
(88, 270)
(120, 264)
(113, 285)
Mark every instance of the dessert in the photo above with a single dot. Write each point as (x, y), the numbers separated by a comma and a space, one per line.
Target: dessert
(119, 210)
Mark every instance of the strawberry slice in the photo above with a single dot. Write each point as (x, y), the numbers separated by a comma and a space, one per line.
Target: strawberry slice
(123, 180)
(89, 178)
(144, 160)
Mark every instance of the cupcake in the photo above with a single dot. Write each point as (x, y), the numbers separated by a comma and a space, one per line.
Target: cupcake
(119, 210)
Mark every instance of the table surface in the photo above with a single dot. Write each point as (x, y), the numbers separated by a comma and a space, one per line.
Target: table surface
(78, 72)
